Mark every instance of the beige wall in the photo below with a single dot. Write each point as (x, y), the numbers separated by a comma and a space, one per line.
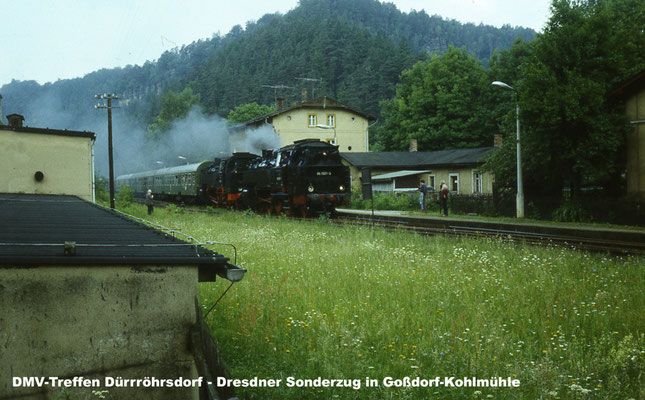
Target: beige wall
(65, 161)
(464, 175)
(635, 144)
(130, 322)
(351, 129)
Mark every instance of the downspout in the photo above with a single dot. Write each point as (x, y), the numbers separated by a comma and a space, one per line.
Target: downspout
(93, 176)
(367, 134)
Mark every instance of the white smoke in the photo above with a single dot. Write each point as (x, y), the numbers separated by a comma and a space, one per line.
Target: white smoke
(255, 140)
(193, 139)
(196, 138)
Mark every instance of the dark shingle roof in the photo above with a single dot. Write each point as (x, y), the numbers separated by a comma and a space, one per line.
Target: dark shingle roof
(36, 227)
(412, 160)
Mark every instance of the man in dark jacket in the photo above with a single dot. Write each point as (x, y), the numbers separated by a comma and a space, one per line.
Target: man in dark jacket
(149, 202)
(422, 197)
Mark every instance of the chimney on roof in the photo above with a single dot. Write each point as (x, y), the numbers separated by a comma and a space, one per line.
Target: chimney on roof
(497, 140)
(15, 120)
(279, 103)
(414, 145)
(304, 95)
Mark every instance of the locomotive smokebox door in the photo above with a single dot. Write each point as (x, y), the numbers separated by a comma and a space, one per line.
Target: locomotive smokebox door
(366, 178)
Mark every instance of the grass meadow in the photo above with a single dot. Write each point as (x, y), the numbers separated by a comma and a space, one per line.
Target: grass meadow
(345, 302)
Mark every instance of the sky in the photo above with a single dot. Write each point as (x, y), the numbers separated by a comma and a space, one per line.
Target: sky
(47, 40)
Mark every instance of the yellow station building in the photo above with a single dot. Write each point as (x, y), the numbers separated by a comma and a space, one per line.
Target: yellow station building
(323, 118)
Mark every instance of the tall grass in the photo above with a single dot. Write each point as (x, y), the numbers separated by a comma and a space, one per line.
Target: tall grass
(345, 302)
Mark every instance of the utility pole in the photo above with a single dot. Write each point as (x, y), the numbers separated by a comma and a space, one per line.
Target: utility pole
(109, 107)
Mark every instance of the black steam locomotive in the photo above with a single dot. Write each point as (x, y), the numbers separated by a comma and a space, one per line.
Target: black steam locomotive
(303, 179)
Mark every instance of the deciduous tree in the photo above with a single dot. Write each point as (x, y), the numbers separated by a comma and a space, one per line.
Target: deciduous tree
(443, 103)
(248, 111)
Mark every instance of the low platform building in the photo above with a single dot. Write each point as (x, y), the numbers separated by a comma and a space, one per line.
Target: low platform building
(86, 292)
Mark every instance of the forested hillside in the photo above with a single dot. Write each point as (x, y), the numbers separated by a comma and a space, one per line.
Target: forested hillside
(355, 48)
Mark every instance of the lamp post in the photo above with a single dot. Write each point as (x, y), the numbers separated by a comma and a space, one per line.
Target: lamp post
(519, 201)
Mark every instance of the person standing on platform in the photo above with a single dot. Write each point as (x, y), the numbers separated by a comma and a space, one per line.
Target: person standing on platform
(443, 198)
(422, 197)
(149, 202)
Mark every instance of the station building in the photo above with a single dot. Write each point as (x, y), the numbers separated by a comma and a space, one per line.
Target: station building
(322, 118)
(401, 171)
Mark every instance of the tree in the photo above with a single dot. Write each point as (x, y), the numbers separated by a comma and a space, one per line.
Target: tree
(248, 111)
(442, 102)
(572, 132)
(174, 106)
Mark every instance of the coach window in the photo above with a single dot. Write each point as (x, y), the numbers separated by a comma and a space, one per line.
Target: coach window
(312, 120)
(454, 183)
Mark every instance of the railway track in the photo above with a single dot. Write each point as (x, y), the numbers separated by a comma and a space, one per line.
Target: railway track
(594, 240)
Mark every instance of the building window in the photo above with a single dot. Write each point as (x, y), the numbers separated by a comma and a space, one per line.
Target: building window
(478, 180)
(312, 120)
(454, 183)
(331, 120)
(431, 182)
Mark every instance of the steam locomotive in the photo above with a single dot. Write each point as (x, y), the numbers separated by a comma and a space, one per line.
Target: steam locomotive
(305, 178)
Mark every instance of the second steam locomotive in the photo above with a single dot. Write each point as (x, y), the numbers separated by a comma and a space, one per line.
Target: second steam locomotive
(305, 178)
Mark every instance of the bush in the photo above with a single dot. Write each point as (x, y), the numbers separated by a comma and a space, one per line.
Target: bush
(124, 197)
(408, 201)
(571, 212)
(101, 189)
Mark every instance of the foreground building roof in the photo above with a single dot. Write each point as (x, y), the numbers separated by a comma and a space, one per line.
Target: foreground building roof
(65, 230)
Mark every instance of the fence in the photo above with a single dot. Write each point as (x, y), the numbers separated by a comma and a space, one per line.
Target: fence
(587, 208)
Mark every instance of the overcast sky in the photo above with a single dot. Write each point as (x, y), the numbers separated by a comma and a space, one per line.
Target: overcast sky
(47, 40)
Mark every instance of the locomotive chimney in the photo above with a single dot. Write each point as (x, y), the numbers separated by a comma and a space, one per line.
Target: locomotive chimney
(414, 145)
(279, 103)
(304, 95)
(15, 120)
